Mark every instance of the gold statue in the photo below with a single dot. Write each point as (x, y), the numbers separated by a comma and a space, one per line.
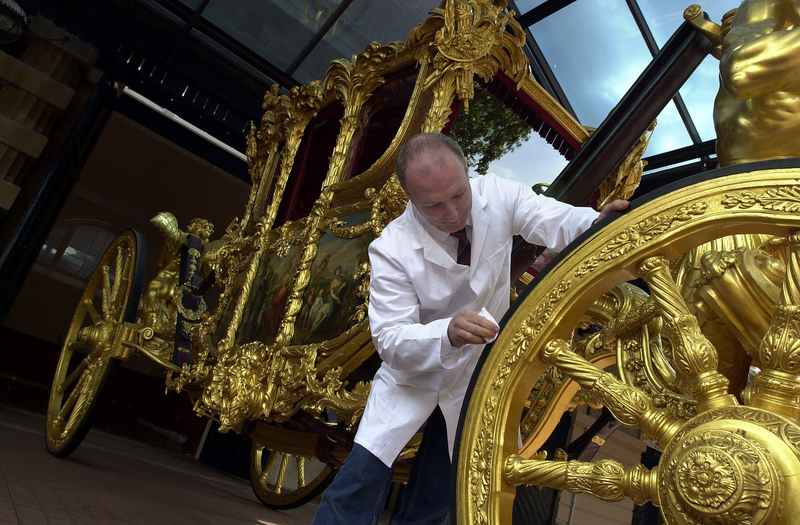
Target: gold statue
(755, 116)
(756, 110)
(160, 303)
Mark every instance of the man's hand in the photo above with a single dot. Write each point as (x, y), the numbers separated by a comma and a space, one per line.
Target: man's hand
(608, 209)
(468, 327)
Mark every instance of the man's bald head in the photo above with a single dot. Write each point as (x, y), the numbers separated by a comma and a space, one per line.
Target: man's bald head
(425, 151)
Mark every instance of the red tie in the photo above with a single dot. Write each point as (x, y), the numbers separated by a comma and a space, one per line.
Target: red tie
(463, 246)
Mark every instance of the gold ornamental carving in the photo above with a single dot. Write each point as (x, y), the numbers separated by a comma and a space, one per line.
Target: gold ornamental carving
(756, 107)
(786, 199)
(473, 40)
(640, 234)
(723, 462)
(262, 151)
(303, 273)
(625, 178)
(480, 474)
(305, 102)
(353, 82)
(461, 39)
(524, 337)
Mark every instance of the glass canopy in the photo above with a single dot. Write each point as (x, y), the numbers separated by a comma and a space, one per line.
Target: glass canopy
(589, 51)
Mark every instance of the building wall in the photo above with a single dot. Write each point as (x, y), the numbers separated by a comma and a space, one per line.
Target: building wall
(131, 174)
(620, 446)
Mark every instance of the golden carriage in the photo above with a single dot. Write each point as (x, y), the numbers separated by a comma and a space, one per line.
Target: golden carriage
(286, 355)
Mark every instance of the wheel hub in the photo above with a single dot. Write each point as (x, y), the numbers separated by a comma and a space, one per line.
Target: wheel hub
(730, 463)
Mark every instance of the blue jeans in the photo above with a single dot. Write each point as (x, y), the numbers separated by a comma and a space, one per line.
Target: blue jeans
(359, 491)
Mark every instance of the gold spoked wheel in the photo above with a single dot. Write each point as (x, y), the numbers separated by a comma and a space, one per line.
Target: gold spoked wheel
(724, 459)
(87, 365)
(286, 481)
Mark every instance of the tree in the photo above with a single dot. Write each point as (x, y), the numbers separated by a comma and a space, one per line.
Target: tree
(488, 131)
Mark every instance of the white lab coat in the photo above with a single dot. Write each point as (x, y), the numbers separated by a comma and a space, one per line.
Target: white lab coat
(417, 287)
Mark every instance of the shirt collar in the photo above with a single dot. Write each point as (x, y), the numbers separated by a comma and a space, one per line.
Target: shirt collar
(438, 235)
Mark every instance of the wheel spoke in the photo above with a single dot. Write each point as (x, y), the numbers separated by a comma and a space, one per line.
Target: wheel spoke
(119, 266)
(281, 473)
(696, 358)
(75, 345)
(301, 471)
(92, 311)
(607, 479)
(106, 294)
(66, 408)
(267, 467)
(61, 387)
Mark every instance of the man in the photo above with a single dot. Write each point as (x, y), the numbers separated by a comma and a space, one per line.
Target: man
(425, 315)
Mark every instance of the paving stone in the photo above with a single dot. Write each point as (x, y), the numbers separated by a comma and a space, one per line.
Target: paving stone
(117, 481)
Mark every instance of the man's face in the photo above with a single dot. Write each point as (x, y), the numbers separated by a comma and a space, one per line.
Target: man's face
(437, 184)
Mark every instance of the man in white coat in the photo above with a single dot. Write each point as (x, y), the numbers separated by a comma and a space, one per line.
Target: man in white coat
(431, 313)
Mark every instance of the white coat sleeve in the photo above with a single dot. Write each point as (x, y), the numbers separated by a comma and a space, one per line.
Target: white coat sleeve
(543, 220)
(401, 340)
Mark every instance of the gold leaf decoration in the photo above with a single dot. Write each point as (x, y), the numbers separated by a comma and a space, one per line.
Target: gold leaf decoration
(640, 234)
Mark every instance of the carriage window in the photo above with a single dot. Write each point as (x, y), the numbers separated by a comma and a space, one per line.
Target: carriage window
(311, 164)
(75, 249)
(501, 135)
(389, 105)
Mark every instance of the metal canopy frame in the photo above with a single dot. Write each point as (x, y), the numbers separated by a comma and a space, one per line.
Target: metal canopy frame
(195, 69)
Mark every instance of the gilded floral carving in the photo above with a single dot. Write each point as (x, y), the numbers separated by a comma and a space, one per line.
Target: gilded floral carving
(783, 199)
(640, 234)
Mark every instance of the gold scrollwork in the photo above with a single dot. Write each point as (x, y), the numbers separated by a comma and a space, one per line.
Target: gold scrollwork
(639, 235)
(625, 178)
(354, 81)
(785, 199)
(526, 335)
(330, 393)
(461, 39)
(304, 103)
(480, 473)
(473, 40)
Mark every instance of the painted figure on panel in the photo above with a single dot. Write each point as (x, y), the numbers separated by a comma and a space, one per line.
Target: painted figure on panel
(269, 317)
(331, 296)
(267, 301)
(324, 309)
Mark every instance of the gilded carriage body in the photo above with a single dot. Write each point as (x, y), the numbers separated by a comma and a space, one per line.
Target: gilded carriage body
(286, 356)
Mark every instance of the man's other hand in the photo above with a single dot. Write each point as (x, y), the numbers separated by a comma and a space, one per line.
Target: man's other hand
(468, 327)
(611, 207)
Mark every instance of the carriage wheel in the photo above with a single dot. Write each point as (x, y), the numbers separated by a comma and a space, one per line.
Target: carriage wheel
(286, 481)
(86, 366)
(727, 461)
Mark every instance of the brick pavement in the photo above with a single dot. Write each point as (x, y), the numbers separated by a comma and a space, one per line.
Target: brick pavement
(114, 480)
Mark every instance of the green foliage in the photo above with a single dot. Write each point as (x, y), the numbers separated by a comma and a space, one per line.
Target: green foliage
(488, 131)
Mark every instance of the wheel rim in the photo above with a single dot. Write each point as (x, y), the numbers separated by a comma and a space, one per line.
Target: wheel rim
(284, 480)
(86, 361)
(602, 259)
